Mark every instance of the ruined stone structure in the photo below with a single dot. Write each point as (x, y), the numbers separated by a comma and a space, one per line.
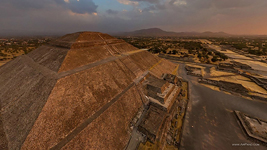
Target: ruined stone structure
(171, 78)
(233, 67)
(227, 67)
(259, 81)
(163, 104)
(241, 65)
(79, 92)
(254, 127)
(226, 86)
(174, 58)
(194, 71)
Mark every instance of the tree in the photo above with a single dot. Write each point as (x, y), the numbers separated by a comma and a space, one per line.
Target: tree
(190, 51)
(224, 57)
(174, 52)
(215, 58)
(199, 55)
(155, 51)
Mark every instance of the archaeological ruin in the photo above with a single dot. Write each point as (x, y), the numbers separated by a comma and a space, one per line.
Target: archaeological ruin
(89, 90)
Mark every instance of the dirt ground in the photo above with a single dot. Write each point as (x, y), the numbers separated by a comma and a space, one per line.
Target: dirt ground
(235, 78)
(255, 64)
(10, 56)
(204, 41)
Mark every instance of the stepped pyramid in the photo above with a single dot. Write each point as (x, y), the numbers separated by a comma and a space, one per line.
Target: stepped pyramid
(78, 92)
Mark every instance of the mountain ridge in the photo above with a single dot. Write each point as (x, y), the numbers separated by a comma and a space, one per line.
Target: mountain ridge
(159, 32)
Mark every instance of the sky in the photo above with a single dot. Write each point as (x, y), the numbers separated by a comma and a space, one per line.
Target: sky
(112, 16)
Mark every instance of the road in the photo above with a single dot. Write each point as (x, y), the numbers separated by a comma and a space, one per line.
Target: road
(210, 123)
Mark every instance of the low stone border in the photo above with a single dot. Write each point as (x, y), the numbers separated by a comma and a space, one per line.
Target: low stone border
(246, 128)
(256, 80)
(193, 74)
(185, 113)
(189, 71)
(218, 84)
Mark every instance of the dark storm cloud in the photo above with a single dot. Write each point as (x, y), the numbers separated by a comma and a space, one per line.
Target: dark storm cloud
(80, 7)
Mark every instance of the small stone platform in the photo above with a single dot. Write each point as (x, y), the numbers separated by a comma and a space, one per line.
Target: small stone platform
(254, 127)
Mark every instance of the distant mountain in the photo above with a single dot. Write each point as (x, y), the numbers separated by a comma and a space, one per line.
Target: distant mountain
(149, 32)
(156, 32)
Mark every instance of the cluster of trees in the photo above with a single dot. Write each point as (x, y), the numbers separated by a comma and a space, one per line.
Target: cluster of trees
(245, 42)
(258, 52)
(16, 45)
(3, 54)
(204, 55)
(216, 56)
(157, 45)
(191, 45)
(174, 52)
(219, 56)
(164, 45)
(240, 46)
(154, 50)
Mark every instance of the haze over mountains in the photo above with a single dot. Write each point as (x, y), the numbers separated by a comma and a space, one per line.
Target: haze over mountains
(149, 32)
(159, 32)
(153, 32)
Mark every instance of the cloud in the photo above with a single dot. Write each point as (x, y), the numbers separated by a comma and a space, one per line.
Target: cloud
(66, 16)
(112, 12)
(149, 1)
(128, 2)
(79, 6)
(82, 6)
(179, 2)
(235, 3)
(76, 6)
(25, 4)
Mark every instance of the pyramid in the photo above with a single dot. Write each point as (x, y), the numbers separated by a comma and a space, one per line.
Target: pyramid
(78, 92)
